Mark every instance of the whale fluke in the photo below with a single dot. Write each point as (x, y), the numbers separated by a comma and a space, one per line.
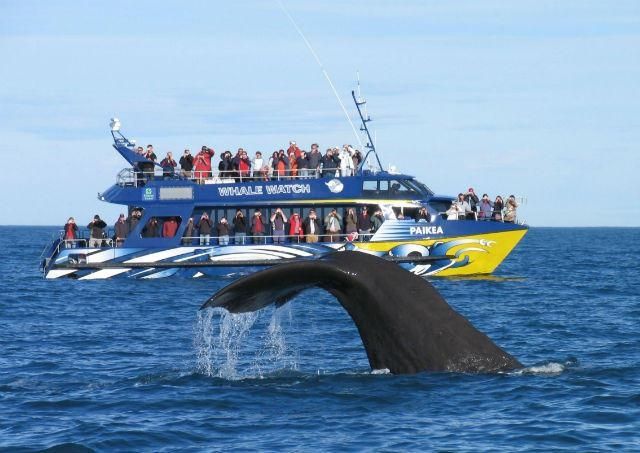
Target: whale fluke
(406, 326)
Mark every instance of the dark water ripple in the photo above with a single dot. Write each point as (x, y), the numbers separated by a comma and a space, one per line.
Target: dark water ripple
(111, 365)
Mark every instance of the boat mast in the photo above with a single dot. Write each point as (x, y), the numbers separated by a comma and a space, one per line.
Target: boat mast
(371, 147)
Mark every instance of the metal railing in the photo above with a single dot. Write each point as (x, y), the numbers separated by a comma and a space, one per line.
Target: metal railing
(135, 178)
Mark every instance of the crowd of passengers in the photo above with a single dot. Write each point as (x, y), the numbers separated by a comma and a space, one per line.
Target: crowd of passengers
(335, 227)
(469, 207)
(292, 163)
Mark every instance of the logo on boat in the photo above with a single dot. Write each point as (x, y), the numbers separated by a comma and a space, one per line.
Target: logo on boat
(335, 185)
(149, 194)
(426, 230)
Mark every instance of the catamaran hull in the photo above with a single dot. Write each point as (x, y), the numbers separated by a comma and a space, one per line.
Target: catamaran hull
(464, 255)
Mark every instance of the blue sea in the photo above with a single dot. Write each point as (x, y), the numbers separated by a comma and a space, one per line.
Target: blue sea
(132, 365)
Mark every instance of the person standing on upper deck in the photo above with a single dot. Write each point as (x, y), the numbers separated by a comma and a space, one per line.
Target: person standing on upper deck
(278, 223)
(464, 210)
(293, 149)
(202, 164)
(168, 165)
(303, 165)
(257, 165)
(471, 198)
(330, 164)
(314, 158)
(346, 161)
(186, 164)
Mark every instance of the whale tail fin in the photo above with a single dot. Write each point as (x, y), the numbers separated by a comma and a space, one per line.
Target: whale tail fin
(405, 324)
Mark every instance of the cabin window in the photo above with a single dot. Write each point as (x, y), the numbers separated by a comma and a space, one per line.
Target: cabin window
(370, 188)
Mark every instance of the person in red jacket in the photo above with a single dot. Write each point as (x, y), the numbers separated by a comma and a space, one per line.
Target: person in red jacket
(70, 233)
(202, 164)
(169, 227)
(295, 228)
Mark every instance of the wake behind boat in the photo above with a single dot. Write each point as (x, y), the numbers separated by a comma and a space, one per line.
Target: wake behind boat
(246, 217)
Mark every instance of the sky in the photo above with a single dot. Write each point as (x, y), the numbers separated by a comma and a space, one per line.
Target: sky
(540, 98)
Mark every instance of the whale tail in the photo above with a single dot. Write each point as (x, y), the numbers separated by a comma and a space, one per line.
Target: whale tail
(405, 324)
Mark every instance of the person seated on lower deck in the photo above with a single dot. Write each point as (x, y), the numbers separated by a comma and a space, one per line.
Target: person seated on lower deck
(223, 231)
(311, 227)
(278, 221)
(257, 227)
(239, 227)
(96, 226)
(150, 230)
(332, 224)
(169, 227)
(295, 228)
(70, 233)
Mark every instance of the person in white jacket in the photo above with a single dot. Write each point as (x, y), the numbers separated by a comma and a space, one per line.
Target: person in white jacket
(346, 160)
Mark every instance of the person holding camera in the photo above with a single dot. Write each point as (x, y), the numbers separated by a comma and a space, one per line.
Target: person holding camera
(240, 227)
(278, 223)
(257, 227)
(96, 226)
(204, 229)
(186, 164)
(332, 223)
(311, 227)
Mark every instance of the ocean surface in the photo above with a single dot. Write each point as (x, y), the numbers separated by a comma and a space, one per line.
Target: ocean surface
(132, 365)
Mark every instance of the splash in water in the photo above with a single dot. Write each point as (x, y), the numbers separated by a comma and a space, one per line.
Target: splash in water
(230, 349)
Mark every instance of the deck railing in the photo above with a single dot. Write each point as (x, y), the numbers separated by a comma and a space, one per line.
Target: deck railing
(132, 177)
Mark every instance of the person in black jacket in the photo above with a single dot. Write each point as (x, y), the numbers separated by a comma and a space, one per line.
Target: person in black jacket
(151, 229)
(204, 228)
(186, 164)
(311, 227)
(96, 226)
(225, 167)
(239, 227)
(330, 164)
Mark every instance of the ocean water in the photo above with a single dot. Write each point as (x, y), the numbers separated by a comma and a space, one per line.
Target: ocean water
(134, 366)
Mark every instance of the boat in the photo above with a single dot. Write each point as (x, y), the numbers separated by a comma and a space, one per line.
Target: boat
(429, 245)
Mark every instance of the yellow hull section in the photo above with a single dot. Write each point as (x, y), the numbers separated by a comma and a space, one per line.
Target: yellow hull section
(475, 254)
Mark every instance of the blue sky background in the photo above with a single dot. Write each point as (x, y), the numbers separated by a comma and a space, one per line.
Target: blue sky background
(536, 98)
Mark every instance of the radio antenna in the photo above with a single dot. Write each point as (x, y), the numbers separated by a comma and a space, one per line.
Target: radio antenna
(324, 71)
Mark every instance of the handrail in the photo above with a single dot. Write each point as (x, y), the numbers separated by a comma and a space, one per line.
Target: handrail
(132, 177)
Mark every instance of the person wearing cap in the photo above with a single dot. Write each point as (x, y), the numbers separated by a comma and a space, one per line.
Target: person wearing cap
(333, 225)
(364, 224)
(471, 198)
(96, 226)
(186, 164)
(121, 230)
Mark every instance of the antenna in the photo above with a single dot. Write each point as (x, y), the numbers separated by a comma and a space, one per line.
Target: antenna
(360, 101)
(324, 71)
